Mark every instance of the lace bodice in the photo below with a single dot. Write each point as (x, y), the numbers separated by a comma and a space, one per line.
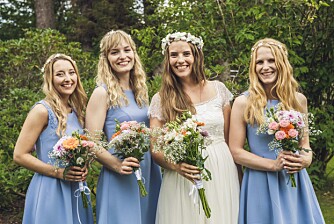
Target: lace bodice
(210, 112)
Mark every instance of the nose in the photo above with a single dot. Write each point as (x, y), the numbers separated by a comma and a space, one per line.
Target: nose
(265, 65)
(180, 59)
(122, 54)
(67, 77)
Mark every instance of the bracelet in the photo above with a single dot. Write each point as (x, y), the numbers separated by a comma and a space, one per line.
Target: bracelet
(307, 149)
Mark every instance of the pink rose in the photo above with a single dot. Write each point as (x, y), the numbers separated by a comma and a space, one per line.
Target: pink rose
(91, 144)
(125, 126)
(280, 135)
(284, 123)
(293, 133)
(273, 125)
(84, 143)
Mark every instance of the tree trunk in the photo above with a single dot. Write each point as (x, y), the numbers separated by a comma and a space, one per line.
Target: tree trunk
(45, 15)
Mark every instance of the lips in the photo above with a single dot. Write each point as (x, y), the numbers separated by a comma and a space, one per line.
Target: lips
(67, 85)
(182, 67)
(123, 63)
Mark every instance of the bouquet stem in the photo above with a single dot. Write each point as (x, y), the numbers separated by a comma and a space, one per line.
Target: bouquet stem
(201, 192)
(141, 185)
(293, 180)
(83, 195)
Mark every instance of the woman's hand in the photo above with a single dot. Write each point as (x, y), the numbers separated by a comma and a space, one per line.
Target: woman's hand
(279, 162)
(188, 171)
(74, 173)
(127, 165)
(295, 162)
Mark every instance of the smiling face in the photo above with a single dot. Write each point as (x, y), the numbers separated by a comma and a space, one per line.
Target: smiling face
(265, 67)
(64, 78)
(121, 58)
(181, 58)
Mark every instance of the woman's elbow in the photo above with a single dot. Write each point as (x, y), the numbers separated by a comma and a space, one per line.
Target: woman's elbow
(235, 154)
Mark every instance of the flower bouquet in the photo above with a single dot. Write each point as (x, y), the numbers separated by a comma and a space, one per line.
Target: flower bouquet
(131, 139)
(75, 150)
(287, 126)
(183, 141)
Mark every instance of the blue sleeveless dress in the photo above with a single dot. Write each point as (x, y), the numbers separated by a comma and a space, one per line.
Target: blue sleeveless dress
(268, 198)
(51, 200)
(118, 198)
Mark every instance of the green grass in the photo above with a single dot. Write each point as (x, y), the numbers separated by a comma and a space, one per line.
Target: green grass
(326, 195)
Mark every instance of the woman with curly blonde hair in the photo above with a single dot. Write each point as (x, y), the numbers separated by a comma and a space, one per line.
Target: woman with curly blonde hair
(266, 194)
(121, 94)
(51, 194)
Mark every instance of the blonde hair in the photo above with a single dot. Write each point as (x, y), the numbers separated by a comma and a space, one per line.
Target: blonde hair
(285, 88)
(175, 100)
(105, 74)
(77, 100)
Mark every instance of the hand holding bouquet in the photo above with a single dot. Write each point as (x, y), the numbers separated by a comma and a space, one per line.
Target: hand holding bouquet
(182, 140)
(287, 126)
(75, 150)
(131, 139)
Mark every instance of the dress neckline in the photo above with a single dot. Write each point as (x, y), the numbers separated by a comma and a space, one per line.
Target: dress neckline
(209, 100)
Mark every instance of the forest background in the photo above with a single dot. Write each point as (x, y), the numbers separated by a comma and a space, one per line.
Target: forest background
(32, 30)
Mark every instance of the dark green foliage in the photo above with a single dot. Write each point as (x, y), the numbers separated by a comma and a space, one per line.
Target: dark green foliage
(14, 108)
(15, 16)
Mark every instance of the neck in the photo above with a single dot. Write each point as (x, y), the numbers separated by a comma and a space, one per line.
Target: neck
(124, 81)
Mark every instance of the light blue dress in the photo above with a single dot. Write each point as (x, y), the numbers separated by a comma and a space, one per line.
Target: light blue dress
(118, 199)
(51, 200)
(268, 198)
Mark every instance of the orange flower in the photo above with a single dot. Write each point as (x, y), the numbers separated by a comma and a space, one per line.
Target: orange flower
(287, 128)
(116, 134)
(83, 137)
(184, 132)
(200, 123)
(70, 143)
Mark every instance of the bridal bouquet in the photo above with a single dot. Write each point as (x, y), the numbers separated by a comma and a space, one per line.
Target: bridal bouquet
(182, 140)
(287, 126)
(75, 150)
(131, 139)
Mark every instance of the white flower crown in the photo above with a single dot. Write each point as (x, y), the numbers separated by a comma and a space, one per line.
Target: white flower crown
(165, 42)
(58, 55)
(269, 43)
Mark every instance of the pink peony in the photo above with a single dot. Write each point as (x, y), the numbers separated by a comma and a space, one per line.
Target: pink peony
(280, 135)
(125, 126)
(273, 125)
(293, 133)
(284, 123)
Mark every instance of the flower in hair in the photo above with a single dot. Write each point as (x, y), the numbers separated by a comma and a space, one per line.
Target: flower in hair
(187, 37)
(58, 55)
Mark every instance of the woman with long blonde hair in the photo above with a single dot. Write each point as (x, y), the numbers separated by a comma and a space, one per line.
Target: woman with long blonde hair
(185, 88)
(266, 192)
(50, 197)
(121, 94)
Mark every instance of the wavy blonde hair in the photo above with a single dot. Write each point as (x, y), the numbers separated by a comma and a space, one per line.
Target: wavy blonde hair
(285, 88)
(105, 74)
(175, 100)
(77, 100)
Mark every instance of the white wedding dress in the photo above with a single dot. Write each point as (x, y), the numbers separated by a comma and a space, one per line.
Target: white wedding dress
(175, 206)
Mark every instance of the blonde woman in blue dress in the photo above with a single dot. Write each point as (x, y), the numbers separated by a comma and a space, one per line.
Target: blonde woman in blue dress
(185, 88)
(266, 193)
(50, 196)
(121, 94)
